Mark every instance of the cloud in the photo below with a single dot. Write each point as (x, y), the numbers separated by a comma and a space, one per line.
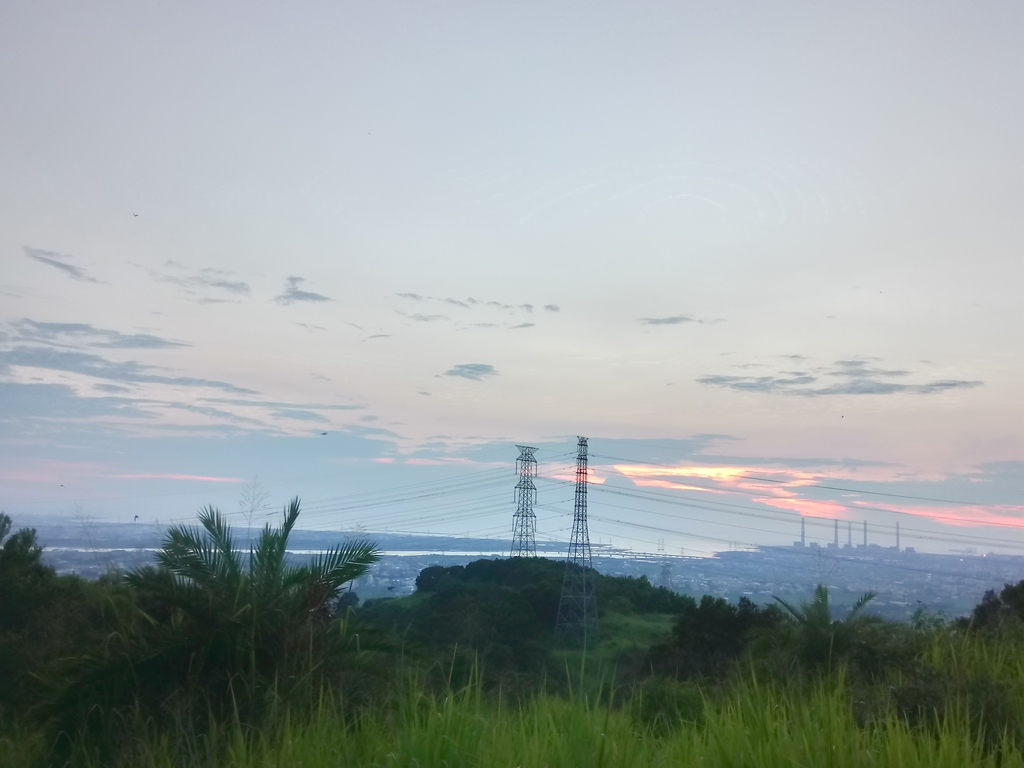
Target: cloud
(419, 318)
(844, 377)
(82, 333)
(472, 303)
(232, 286)
(272, 404)
(859, 368)
(522, 325)
(203, 410)
(301, 415)
(19, 402)
(292, 292)
(378, 336)
(674, 320)
(191, 478)
(552, 307)
(101, 368)
(474, 371)
(756, 383)
(59, 261)
(197, 284)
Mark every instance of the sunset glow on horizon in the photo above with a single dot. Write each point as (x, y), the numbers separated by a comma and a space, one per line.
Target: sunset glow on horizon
(744, 481)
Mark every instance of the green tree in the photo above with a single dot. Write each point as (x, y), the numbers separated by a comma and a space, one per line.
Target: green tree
(709, 637)
(24, 579)
(43, 617)
(258, 616)
(995, 610)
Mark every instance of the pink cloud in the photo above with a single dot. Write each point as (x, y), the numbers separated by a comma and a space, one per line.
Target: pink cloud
(646, 483)
(567, 474)
(1002, 516)
(783, 492)
(809, 508)
(456, 461)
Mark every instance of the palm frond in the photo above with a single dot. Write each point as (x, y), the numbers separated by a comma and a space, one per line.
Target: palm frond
(317, 582)
(818, 612)
(866, 598)
(344, 563)
(219, 533)
(291, 514)
(267, 560)
(182, 553)
(194, 553)
(795, 613)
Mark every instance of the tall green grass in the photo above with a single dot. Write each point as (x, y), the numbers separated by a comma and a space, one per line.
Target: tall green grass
(752, 725)
(961, 703)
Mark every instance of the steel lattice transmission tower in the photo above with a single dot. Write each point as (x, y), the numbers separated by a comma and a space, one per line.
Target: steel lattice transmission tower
(524, 521)
(577, 608)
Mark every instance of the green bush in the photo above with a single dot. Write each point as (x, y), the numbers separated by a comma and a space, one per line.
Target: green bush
(43, 617)
(708, 638)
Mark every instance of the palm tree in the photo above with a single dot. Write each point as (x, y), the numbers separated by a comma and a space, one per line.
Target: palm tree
(213, 624)
(819, 636)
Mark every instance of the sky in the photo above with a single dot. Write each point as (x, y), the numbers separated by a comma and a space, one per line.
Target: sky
(766, 255)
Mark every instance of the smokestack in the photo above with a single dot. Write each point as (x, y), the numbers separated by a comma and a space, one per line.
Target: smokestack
(865, 533)
(897, 537)
(849, 534)
(803, 531)
(837, 534)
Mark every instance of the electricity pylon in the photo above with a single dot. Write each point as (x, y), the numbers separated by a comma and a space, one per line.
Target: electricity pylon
(524, 521)
(577, 607)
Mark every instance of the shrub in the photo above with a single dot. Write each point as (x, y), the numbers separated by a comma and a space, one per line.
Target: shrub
(710, 636)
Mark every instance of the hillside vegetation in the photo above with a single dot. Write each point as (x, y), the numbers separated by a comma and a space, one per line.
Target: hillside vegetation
(219, 657)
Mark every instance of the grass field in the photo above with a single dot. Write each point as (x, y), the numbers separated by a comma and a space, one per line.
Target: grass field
(750, 724)
(469, 673)
(754, 726)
